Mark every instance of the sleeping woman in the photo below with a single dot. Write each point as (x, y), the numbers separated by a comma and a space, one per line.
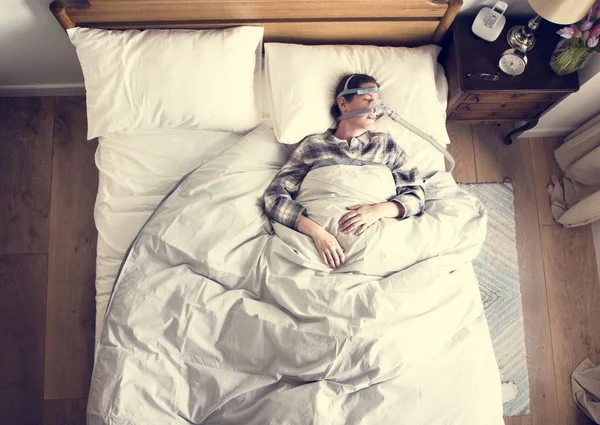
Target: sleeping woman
(349, 143)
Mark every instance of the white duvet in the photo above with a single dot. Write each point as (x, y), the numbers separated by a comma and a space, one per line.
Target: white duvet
(220, 316)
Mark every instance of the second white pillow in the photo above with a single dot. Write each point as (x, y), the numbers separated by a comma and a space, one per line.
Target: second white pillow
(301, 81)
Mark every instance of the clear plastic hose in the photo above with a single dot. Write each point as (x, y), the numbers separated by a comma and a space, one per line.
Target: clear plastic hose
(397, 118)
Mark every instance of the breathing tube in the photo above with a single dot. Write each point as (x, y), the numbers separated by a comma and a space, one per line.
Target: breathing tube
(379, 109)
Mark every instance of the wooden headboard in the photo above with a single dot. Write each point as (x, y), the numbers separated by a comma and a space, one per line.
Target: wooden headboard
(379, 22)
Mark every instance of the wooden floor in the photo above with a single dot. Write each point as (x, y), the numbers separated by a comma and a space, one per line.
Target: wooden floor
(48, 185)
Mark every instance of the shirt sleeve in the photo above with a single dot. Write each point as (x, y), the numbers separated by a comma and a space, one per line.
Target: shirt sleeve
(279, 197)
(409, 187)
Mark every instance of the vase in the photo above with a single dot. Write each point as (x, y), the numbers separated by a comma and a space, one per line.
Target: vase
(570, 55)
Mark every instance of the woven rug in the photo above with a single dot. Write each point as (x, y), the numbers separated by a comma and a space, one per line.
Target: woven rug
(497, 270)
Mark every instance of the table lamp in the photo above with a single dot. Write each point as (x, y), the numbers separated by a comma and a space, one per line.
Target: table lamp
(563, 12)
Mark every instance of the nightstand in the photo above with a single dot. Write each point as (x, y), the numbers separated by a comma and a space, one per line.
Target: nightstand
(525, 97)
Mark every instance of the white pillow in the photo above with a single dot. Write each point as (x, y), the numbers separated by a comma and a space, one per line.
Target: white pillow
(301, 82)
(185, 79)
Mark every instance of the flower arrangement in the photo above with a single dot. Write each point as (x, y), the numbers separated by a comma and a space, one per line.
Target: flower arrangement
(580, 44)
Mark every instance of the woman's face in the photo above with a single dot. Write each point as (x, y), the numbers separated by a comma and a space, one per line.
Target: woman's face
(359, 101)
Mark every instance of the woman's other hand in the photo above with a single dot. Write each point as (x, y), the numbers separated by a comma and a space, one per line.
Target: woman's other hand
(361, 217)
(329, 248)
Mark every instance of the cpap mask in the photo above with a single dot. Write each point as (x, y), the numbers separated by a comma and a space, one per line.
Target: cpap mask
(375, 107)
(379, 109)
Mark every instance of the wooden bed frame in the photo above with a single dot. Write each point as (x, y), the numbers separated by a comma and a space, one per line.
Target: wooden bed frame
(377, 22)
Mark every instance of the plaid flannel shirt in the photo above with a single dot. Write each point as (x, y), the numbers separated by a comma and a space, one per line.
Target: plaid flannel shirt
(325, 149)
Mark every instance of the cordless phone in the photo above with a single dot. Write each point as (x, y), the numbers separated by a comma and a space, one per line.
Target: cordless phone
(497, 11)
(488, 23)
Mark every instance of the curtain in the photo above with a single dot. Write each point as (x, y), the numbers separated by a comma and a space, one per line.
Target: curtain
(585, 386)
(575, 197)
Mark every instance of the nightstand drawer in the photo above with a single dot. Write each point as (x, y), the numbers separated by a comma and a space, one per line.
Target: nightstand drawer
(491, 116)
(513, 97)
(502, 107)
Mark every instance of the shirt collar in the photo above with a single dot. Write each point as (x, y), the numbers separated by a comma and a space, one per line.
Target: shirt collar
(363, 138)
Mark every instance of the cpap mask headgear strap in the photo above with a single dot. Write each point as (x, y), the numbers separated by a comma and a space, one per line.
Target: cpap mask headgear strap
(359, 90)
(375, 107)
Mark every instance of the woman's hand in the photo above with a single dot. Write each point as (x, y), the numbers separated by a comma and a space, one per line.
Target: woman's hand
(329, 249)
(328, 246)
(361, 217)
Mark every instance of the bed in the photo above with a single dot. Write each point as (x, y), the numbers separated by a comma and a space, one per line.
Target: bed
(432, 364)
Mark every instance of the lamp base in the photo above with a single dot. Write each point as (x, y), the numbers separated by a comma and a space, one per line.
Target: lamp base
(521, 37)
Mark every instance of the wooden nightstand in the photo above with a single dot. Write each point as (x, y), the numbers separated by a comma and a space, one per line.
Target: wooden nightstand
(522, 98)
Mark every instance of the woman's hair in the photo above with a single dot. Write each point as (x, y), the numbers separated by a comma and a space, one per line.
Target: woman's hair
(354, 83)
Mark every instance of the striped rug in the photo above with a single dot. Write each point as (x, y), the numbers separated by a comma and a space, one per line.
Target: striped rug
(497, 270)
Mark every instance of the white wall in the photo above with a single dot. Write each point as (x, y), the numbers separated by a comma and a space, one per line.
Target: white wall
(35, 54)
(575, 110)
(590, 70)
(37, 58)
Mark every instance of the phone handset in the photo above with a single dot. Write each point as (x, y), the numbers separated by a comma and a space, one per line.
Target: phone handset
(497, 11)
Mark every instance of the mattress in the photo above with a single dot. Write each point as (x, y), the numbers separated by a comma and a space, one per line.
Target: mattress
(136, 171)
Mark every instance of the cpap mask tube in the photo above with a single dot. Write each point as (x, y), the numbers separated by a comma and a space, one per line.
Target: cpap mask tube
(397, 118)
(379, 109)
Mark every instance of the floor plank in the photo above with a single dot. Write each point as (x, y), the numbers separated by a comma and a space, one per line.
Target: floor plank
(65, 412)
(71, 264)
(544, 166)
(518, 420)
(25, 172)
(574, 297)
(495, 162)
(22, 316)
(463, 152)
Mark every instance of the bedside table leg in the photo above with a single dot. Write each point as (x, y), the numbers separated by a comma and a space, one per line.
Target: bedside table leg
(508, 139)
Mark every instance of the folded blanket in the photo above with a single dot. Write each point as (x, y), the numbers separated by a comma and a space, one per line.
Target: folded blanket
(221, 317)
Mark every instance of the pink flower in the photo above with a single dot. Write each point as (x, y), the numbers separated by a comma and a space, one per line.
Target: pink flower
(592, 42)
(586, 25)
(586, 36)
(576, 31)
(595, 32)
(566, 32)
(596, 12)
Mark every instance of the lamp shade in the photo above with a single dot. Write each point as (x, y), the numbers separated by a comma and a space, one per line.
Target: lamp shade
(562, 12)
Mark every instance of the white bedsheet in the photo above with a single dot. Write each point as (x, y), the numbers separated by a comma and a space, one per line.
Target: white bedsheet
(136, 171)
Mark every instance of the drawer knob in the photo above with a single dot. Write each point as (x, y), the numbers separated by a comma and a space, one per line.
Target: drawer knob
(503, 105)
(516, 96)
